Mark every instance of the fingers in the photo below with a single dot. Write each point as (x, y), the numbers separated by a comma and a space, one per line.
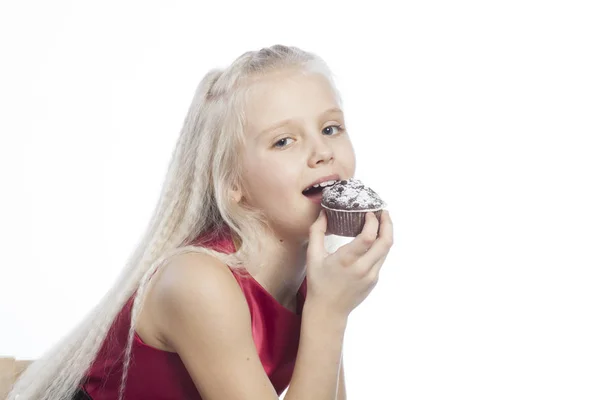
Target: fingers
(374, 256)
(316, 239)
(350, 252)
(373, 273)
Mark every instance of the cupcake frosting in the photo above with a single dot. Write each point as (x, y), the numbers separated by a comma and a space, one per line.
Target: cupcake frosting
(351, 195)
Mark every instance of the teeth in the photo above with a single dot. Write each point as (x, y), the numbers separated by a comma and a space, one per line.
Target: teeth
(322, 184)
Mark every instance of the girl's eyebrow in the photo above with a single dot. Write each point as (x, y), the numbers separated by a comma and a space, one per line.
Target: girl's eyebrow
(287, 121)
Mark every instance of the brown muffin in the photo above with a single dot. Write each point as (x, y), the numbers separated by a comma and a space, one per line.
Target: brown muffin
(346, 204)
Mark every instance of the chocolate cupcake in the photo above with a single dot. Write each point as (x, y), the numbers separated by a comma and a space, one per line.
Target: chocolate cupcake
(346, 204)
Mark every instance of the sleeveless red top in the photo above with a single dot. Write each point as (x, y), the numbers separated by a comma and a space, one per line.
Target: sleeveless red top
(160, 375)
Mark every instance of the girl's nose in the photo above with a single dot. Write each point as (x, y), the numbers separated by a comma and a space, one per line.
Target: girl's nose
(322, 153)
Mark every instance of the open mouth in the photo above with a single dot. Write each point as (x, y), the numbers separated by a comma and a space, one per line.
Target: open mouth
(313, 192)
(316, 190)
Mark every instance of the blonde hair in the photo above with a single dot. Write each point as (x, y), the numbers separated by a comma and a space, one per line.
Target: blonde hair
(194, 201)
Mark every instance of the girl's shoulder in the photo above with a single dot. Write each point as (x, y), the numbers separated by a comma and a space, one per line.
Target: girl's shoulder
(186, 279)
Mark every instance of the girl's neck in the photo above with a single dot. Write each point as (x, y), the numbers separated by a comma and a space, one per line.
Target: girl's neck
(283, 269)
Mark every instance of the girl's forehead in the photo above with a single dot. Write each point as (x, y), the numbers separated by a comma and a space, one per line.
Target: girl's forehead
(287, 96)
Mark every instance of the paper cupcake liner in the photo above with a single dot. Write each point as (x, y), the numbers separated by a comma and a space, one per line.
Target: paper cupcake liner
(347, 223)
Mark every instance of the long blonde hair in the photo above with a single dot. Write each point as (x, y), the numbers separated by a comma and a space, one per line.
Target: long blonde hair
(194, 200)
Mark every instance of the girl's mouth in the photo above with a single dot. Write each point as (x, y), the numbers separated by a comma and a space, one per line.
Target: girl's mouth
(314, 194)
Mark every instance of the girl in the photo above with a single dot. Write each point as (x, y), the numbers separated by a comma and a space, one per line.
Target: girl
(244, 299)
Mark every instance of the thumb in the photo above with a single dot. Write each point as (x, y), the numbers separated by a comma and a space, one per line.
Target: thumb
(316, 239)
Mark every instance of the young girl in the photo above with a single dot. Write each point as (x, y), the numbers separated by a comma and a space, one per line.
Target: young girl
(231, 294)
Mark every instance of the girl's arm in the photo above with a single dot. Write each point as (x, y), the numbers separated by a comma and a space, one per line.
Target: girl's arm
(319, 357)
(200, 312)
(341, 391)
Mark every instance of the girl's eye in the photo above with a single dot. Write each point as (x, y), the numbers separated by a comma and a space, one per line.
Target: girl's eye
(338, 127)
(281, 143)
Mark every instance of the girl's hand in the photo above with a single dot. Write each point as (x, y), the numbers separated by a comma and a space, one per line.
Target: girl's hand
(342, 280)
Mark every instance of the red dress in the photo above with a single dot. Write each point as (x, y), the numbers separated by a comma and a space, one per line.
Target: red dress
(156, 374)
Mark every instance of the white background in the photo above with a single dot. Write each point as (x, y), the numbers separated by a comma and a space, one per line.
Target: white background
(477, 121)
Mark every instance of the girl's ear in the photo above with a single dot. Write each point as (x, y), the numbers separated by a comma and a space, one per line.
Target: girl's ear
(235, 194)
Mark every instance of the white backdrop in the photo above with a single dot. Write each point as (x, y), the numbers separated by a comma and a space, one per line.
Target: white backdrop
(478, 123)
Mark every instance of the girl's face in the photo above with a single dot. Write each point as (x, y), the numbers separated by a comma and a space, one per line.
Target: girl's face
(295, 136)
